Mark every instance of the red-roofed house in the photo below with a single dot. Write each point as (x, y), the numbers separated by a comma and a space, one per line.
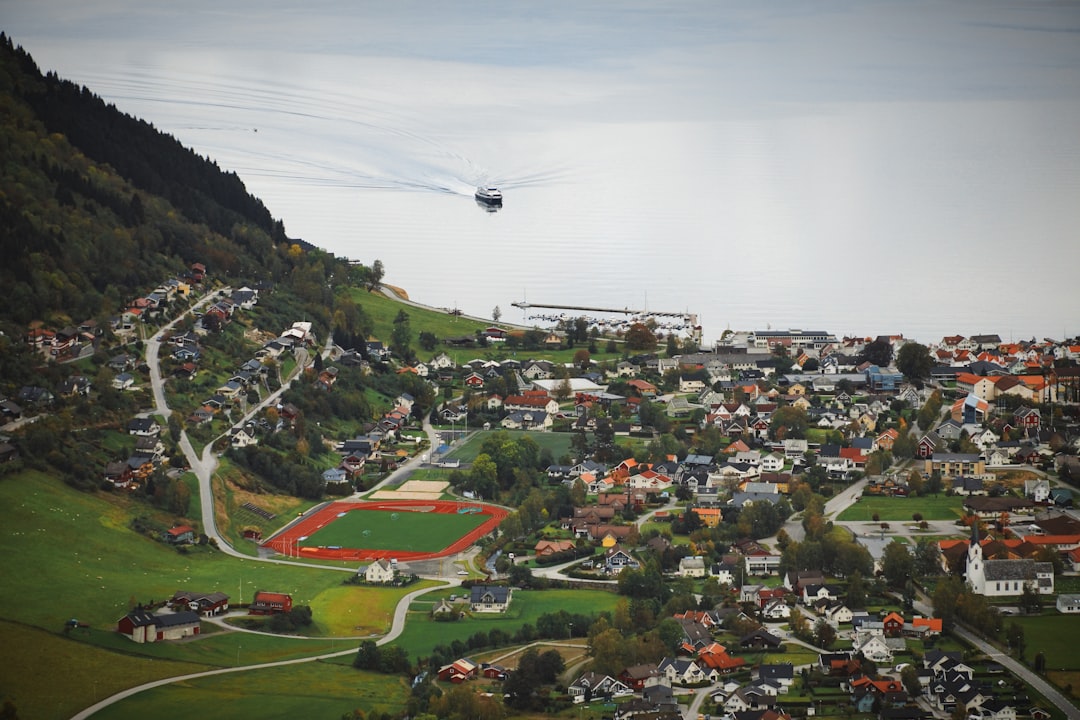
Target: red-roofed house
(269, 603)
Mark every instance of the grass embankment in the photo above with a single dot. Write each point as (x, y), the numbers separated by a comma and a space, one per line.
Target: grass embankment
(939, 507)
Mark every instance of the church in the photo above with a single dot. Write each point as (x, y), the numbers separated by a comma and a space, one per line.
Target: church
(998, 578)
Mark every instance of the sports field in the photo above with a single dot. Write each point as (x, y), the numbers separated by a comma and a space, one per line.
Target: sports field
(382, 530)
(403, 529)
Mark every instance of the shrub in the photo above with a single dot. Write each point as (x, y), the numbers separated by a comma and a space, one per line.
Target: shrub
(917, 517)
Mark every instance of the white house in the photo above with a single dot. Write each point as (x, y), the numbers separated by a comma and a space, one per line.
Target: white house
(380, 571)
(1068, 603)
(693, 566)
(776, 609)
(773, 462)
(873, 647)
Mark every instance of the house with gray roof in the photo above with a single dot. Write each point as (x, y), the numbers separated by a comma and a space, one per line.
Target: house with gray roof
(490, 598)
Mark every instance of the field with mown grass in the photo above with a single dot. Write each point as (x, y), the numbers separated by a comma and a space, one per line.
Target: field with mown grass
(893, 509)
(50, 677)
(1055, 634)
(557, 443)
(307, 690)
(67, 554)
(422, 633)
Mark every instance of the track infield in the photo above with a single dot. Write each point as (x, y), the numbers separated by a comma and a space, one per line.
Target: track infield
(402, 529)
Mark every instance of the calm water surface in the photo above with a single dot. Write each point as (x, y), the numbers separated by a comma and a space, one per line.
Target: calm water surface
(876, 168)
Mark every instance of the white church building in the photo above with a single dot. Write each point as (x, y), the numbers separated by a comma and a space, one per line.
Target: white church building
(997, 578)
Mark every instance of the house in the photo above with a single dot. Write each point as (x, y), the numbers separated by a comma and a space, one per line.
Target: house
(776, 609)
(782, 674)
(145, 427)
(872, 647)
(893, 624)
(180, 535)
(213, 603)
(545, 548)
(639, 677)
(762, 563)
(119, 474)
(616, 558)
(380, 571)
(933, 625)
(490, 598)
(270, 603)
(682, 671)
(592, 686)
(692, 566)
(493, 672)
(1068, 603)
(812, 593)
(759, 638)
(144, 627)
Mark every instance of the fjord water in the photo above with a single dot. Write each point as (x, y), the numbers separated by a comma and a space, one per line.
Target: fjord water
(882, 167)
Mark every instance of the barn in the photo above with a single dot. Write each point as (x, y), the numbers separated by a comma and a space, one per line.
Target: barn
(142, 626)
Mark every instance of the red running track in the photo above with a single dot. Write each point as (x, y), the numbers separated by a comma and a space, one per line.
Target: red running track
(286, 541)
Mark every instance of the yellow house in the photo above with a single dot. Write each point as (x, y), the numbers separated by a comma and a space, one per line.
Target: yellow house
(797, 389)
(710, 517)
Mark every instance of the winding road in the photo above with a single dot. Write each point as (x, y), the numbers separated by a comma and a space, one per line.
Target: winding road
(204, 466)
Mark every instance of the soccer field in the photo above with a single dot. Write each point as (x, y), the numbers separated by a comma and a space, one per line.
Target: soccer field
(394, 530)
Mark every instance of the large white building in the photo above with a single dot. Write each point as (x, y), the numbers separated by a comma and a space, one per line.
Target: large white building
(997, 578)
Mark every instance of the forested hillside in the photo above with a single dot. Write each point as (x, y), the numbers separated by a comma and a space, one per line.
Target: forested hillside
(95, 205)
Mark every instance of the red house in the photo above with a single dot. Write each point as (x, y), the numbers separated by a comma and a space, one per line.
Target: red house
(269, 603)
(894, 624)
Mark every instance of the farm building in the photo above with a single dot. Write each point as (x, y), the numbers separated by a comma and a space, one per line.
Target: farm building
(142, 626)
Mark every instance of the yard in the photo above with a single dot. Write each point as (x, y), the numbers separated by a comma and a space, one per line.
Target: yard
(937, 507)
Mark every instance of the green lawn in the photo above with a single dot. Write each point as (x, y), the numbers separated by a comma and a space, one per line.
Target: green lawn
(1054, 634)
(940, 507)
(557, 443)
(422, 633)
(386, 530)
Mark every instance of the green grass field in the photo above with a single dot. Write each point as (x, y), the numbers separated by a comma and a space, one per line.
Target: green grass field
(557, 443)
(307, 690)
(941, 507)
(1054, 634)
(385, 530)
(422, 633)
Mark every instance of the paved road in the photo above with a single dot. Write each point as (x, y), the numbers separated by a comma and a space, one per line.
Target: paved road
(396, 628)
(1052, 694)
